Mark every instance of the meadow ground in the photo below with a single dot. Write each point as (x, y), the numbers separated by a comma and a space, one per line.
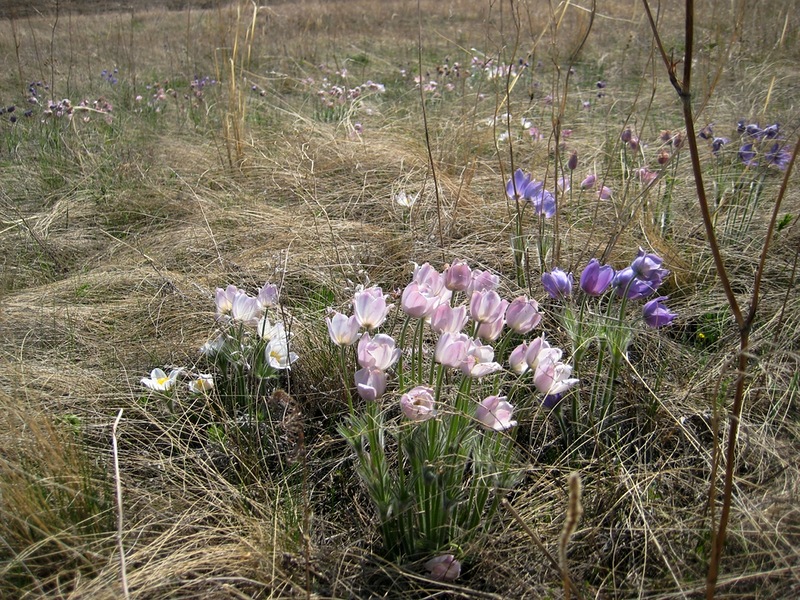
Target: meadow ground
(150, 156)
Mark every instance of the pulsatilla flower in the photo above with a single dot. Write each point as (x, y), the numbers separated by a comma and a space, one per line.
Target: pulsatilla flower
(747, 154)
(425, 292)
(553, 377)
(246, 309)
(479, 360)
(656, 314)
(204, 382)
(482, 280)
(451, 349)
(557, 283)
(370, 383)
(515, 188)
(343, 330)
(370, 308)
(458, 276)
(543, 202)
(523, 315)
(277, 353)
(494, 412)
(596, 278)
(268, 295)
(418, 403)
(779, 156)
(159, 381)
(449, 319)
(444, 568)
(487, 306)
(378, 352)
(647, 267)
(626, 284)
(717, 143)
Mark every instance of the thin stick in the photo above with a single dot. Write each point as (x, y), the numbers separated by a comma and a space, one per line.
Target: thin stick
(538, 543)
(118, 485)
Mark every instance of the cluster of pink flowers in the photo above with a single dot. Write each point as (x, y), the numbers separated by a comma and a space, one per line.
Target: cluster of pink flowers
(334, 94)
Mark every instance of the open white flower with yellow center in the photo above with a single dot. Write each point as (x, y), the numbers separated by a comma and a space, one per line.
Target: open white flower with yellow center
(203, 383)
(277, 353)
(159, 381)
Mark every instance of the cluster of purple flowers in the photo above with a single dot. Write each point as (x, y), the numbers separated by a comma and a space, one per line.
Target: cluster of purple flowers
(110, 76)
(522, 187)
(758, 145)
(332, 95)
(11, 111)
(639, 280)
(198, 83)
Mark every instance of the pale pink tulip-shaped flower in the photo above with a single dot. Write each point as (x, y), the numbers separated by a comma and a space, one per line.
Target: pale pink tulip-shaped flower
(495, 413)
(418, 403)
(523, 315)
(268, 295)
(483, 280)
(479, 361)
(517, 359)
(224, 300)
(343, 330)
(490, 331)
(448, 319)
(553, 377)
(451, 349)
(487, 306)
(246, 310)
(377, 352)
(370, 308)
(458, 276)
(444, 568)
(370, 383)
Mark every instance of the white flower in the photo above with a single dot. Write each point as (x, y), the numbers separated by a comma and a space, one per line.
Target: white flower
(278, 355)
(203, 383)
(159, 381)
(404, 200)
(212, 347)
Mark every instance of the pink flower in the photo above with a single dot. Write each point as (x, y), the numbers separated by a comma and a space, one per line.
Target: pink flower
(370, 383)
(246, 309)
(479, 361)
(538, 349)
(451, 349)
(589, 182)
(378, 352)
(457, 277)
(343, 330)
(448, 319)
(444, 568)
(268, 295)
(486, 306)
(483, 280)
(517, 361)
(418, 403)
(425, 292)
(553, 377)
(490, 331)
(495, 413)
(523, 315)
(224, 300)
(370, 308)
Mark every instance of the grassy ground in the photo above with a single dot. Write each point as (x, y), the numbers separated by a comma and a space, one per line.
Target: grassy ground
(218, 163)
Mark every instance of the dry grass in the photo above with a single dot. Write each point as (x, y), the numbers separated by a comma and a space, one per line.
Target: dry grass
(114, 238)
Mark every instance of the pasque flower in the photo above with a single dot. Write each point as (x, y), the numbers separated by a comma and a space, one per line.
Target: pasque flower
(494, 412)
(656, 314)
(204, 382)
(543, 202)
(425, 292)
(487, 306)
(479, 360)
(523, 315)
(553, 376)
(647, 267)
(343, 330)
(370, 383)
(626, 284)
(378, 352)
(596, 278)
(418, 403)
(458, 276)
(370, 308)
(515, 188)
(451, 349)
(268, 295)
(557, 283)
(444, 568)
(447, 318)
(482, 280)
(159, 381)
(277, 353)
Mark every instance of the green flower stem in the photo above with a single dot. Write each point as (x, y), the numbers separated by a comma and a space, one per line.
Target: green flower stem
(344, 371)
(401, 345)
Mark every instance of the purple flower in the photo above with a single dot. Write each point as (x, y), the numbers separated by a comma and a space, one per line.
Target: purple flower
(656, 314)
(647, 267)
(717, 143)
(557, 283)
(748, 155)
(572, 163)
(625, 283)
(457, 276)
(707, 132)
(515, 188)
(771, 131)
(543, 202)
(779, 156)
(596, 278)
